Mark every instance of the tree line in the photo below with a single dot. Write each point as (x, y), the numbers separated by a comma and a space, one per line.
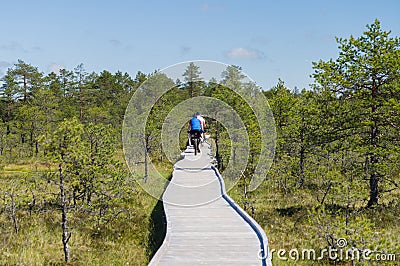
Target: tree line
(67, 126)
(340, 141)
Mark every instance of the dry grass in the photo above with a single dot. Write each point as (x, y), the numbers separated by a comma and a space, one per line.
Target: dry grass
(286, 221)
(125, 241)
(284, 217)
(39, 243)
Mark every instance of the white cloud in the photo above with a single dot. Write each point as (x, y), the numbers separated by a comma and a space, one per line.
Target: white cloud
(116, 43)
(120, 45)
(3, 67)
(10, 46)
(37, 48)
(207, 8)
(185, 49)
(15, 46)
(54, 67)
(4, 64)
(245, 53)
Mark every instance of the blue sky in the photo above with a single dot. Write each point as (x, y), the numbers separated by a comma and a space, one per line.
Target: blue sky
(268, 39)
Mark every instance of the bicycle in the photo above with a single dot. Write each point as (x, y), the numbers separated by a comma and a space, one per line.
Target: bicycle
(195, 136)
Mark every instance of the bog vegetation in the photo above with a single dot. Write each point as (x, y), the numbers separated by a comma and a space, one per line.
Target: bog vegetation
(67, 195)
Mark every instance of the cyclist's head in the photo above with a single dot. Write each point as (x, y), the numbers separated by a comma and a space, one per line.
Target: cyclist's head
(197, 113)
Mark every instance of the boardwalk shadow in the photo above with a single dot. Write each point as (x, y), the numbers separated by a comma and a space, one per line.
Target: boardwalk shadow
(158, 228)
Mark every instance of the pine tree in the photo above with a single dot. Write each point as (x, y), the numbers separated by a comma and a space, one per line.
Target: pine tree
(361, 98)
(193, 80)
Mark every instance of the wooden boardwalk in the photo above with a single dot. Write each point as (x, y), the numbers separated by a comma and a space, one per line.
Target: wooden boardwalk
(204, 225)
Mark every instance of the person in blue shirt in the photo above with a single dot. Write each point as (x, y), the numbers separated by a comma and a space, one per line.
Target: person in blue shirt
(195, 127)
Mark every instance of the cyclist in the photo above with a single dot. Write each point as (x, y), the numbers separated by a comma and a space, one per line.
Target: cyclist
(195, 128)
